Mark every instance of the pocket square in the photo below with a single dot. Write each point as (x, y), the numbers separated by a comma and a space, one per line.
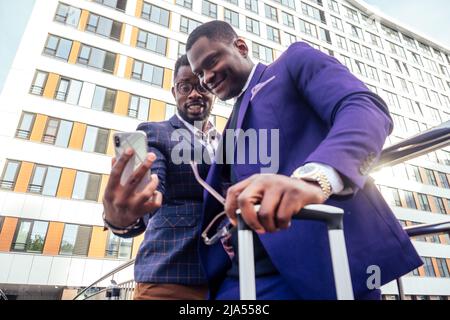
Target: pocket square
(259, 86)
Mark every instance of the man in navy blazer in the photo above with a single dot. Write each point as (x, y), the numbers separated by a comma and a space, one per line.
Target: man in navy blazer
(331, 129)
(167, 264)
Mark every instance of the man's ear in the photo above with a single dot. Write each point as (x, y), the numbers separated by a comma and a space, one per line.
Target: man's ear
(173, 92)
(240, 44)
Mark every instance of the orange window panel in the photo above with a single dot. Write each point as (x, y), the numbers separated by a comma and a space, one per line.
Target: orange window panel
(167, 80)
(7, 234)
(53, 239)
(66, 183)
(110, 147)
(83, 20)
(220, 123)
(139, 5)
(157, 110)
(129, 68)
(134, 36)
(97, 246)
(51, 84)
(122, 101)
(77, 137)
(436, 268)
(24, 176)
(74, 52)
(38, 128)
(136, 244)
(116, 65)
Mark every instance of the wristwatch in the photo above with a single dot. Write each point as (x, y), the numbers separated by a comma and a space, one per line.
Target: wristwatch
(313, 173)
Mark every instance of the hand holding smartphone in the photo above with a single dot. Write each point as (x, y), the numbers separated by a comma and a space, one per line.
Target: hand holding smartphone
(137, 141)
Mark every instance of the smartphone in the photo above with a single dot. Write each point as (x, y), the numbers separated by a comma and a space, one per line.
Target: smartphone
(136, 140)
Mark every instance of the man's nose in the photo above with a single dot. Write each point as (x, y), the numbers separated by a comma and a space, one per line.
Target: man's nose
(208, 77)
(194, 94)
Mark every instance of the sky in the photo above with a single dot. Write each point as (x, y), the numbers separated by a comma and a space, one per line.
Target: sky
(428, 17)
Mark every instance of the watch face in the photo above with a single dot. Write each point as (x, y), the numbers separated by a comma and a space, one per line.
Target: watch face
(306, 170)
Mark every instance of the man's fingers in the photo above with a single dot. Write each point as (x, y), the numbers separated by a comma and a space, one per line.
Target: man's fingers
(268, 209)
(137, 175)
(148, 192)
(119, 165)
(233, 192)
(246, 202)
(113, 161)
(287, 208)
(153, 203)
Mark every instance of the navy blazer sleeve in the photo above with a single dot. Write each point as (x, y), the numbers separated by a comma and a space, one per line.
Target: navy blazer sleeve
(358, 120)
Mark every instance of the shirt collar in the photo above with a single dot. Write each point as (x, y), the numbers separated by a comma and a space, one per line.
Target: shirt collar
(210, 128)
(247, 83)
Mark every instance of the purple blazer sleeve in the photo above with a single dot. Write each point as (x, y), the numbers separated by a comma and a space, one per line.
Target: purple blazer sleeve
(358, 120)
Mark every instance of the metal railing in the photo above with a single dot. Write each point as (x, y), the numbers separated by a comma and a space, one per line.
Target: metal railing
(421, 144)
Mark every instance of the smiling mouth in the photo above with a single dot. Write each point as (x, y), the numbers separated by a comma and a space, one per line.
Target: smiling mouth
(217, 84)
(196, 107)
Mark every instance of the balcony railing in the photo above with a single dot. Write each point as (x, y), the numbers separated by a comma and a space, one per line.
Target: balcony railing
(428, 141)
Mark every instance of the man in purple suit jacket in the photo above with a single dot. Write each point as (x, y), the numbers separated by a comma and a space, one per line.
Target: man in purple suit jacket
(331, 129)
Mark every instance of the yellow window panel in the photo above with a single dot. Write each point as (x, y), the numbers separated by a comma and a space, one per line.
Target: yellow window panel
(74, 52)
(66, 183)
(7, 234)
(136, 244)
(83, 20)
(167, 84)
(50, 86)
(134, 36)
(122, 101)
(97, 246)
(77, 137)
(220, 123)
(24, 176)
(53, 238)
(157, 110)
(38, 128)
(129, 68)
(139, 5)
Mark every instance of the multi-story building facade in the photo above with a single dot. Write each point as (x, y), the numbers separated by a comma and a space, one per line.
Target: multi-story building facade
(86, 69)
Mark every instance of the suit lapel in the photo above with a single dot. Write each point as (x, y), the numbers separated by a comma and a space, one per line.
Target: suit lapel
(248, 93)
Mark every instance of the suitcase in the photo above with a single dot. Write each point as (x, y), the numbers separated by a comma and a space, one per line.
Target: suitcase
(333, 217)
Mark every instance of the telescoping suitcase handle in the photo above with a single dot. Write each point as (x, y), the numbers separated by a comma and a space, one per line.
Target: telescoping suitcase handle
(333, 217)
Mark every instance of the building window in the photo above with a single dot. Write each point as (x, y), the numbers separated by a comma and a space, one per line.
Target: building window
(314, 13)
(95, 140)
(67, 14)
(440, 205)
(184, 3)
(30, 236)
(231, 17)
(443, 268)
(423, 202)
(391, 196)
(39, 81)
(188, 25)
(428, 266)
(104, 99)
(170, 111)
(139, 107)
(431, 177)
(308, 28)
(444, 180)
(355, 31)
(410, 201)
(355, 48)
(209, 9)
(337, 23)
(288, 19)
(251, 5)
(325, 35)
(341, 42)
(75, 240)
(87, 186)
(118, 247)
(372, 73)
(155, 14)
(152, 42)
(45, 180)
(252, 25)
(414, 173)
(360, 68)
(333, 6)
(271, 12)
(290, 38)
(148, 73)
(57, 132)
(68, 90)
(287, 3)
(97, 58)
(25, 125)
(58, 47)
(116, 4)
(104, 26)
(273, 34)
(9, 175)
(181, 49)
(235, 2)
(262, 53)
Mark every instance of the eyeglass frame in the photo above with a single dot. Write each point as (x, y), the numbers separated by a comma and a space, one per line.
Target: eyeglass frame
(197, 86)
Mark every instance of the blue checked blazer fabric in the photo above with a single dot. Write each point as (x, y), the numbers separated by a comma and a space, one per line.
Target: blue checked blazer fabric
(169, 253)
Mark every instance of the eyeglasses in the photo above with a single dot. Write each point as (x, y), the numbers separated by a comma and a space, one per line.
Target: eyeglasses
(216, 222)
(185, 88)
